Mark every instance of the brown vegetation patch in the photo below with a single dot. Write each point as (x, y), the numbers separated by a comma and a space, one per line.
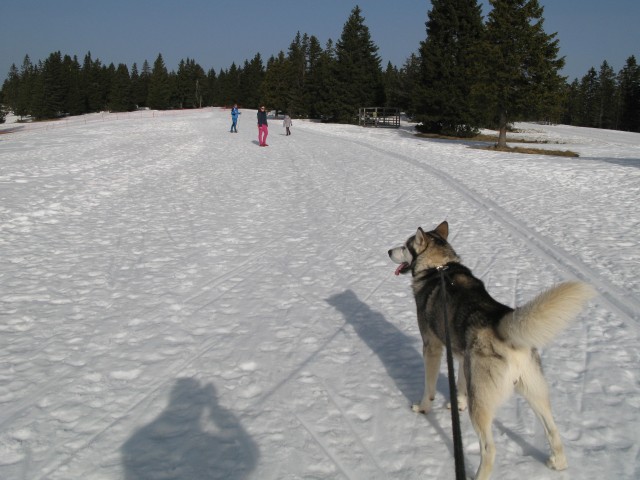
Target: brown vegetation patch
(533, 151)
(493, 140)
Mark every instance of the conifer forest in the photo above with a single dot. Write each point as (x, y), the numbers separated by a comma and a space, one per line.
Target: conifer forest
(500, 69)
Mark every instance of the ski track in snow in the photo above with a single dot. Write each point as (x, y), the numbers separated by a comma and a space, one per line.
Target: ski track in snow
(178, 302)
(617, 298)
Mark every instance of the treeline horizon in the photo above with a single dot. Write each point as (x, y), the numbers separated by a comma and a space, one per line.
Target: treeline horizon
(449, 87)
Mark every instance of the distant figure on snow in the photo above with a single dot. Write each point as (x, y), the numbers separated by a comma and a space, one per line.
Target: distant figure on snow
(287, 124)
(263, 127)
(234, 119)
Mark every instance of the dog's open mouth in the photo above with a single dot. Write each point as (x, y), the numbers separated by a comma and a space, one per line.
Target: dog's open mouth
(404, 267)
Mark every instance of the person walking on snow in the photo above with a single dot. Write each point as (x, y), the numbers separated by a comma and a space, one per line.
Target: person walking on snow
(263, 127)
(287, 124)
(234, 119)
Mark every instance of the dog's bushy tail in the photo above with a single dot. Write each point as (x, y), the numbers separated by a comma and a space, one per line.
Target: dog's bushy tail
(537, 322)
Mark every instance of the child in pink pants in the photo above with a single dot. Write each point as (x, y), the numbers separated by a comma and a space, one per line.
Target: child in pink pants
(263, 127)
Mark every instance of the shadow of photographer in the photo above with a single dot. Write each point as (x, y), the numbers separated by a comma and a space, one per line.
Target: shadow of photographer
(193, 438)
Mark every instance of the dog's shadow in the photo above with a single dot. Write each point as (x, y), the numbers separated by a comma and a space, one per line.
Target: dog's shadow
(397, 350)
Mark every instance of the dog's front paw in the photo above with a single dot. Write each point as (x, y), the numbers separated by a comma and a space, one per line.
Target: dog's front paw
(557, 462)
(419, 408)
(462, 403)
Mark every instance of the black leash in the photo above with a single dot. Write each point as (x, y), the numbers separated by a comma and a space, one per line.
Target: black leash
(458, 452)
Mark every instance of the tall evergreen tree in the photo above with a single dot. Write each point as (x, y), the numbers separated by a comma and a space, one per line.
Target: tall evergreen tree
(607, 98)
(74, 102)
(250, 81)
(159, 97)
(312, 84)
(211, 88)
(275, 87)
(189, 81)
(629, 81)
(229, 84)
(587, 113)
(357, 70)
(443, 102)
(521, 79)
(11, 89)
(296, 73)
(409, 78)
(120, 97)
(27, 88)
(49, 101)
(142, 93)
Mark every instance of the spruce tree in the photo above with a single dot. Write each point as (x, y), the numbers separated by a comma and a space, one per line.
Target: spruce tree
(607, 101)
(296, 73)
(443, 102)
(357, 70)
(250, 81)
(408, 78)
(11, 89)
(312, 84)
(588, 99)
(27, 87)
(520, 80)
(275, 87)
(74, 103)
(629, 81)
(211, 88)
(159, 97)
(120, 96)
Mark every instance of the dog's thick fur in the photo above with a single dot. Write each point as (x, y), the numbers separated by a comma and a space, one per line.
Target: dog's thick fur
(496, 345)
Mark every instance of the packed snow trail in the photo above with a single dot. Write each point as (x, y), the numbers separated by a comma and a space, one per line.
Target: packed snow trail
(179, 303)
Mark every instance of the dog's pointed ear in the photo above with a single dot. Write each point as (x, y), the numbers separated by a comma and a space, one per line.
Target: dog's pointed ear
(443, 229)
(420, 237)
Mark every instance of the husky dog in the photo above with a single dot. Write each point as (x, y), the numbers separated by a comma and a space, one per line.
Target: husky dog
(496, 345)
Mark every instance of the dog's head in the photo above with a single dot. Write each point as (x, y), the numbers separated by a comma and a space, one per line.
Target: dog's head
(424, 250)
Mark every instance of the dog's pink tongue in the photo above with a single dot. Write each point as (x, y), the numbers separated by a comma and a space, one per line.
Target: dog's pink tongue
(400, 268)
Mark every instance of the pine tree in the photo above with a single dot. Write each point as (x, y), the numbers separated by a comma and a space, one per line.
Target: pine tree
(296, 73)
(11, 89)
(250, 81)
(229, 84)
(448, 56)
(409, 78)
(49, 98)
(607, 101)
(189, 79)
(587, 100)
(95, 83)
(629, 81)
(27, 79)
(159, 97)
(120, 97)
(211, 89)
(357, 70)
(312, 80)
(275, 88)
(521, 79)
(74, 102)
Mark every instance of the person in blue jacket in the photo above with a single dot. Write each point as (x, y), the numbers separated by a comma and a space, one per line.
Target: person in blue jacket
(234, 119)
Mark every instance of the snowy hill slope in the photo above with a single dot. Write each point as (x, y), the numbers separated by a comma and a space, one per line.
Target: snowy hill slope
(176, 302)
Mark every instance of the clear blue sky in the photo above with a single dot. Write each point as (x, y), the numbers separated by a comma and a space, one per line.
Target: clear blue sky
(216, 33)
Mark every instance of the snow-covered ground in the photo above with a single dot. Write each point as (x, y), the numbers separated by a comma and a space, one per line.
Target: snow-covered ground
(178, 303)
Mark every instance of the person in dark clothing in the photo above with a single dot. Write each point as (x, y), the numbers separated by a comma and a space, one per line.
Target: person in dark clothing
(263, 127)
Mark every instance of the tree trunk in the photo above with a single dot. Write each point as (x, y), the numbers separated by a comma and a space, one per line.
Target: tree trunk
(502, 136)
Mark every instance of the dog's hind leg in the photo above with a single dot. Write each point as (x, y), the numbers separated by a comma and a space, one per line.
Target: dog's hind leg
(431, 352)
(533, 387)
(482, 419)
